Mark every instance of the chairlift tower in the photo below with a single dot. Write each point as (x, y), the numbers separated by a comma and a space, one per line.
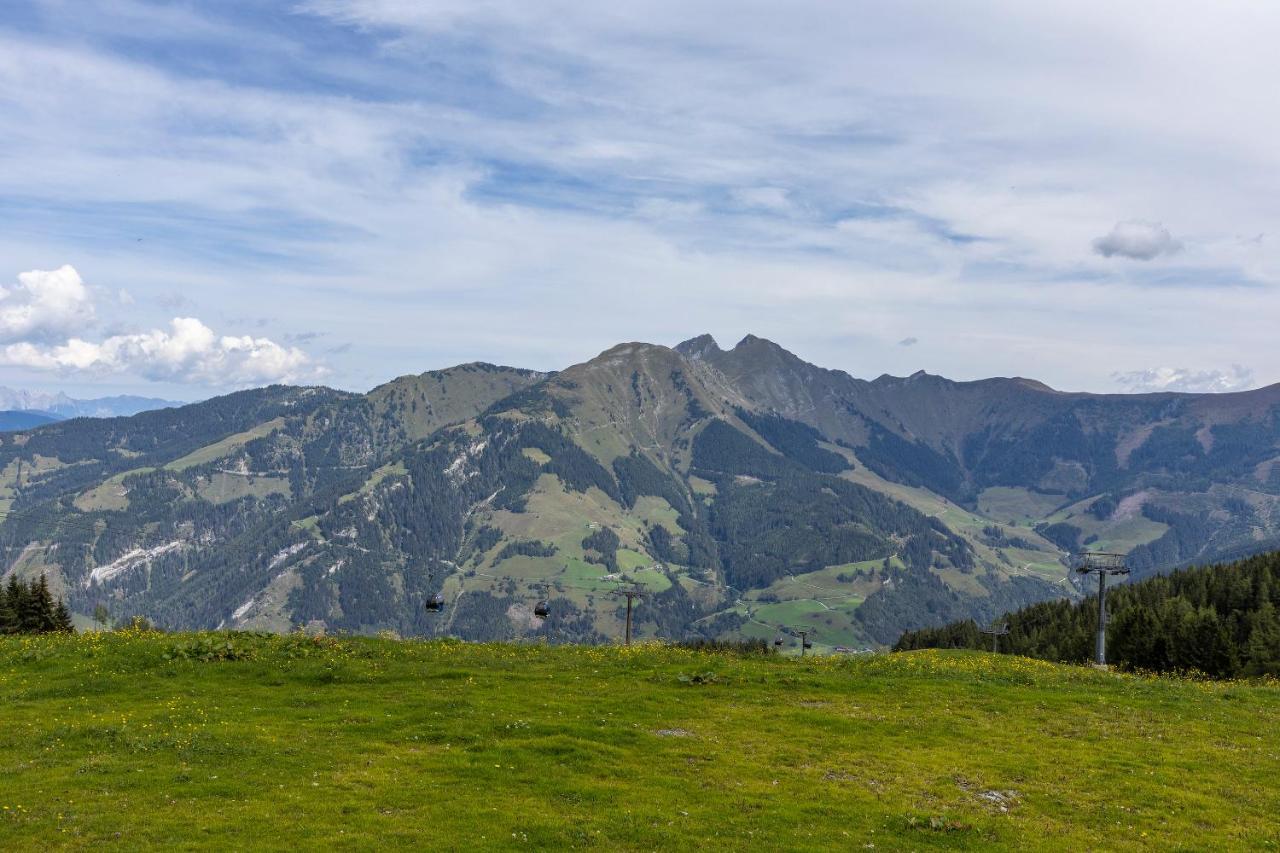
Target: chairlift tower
(1102, 564)
(996, 632)
(803, 633)
(632, 593)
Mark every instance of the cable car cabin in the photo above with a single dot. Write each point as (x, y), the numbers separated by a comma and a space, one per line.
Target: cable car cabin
(435, 603)
(778, 641)
(807, 644)
(541, 610)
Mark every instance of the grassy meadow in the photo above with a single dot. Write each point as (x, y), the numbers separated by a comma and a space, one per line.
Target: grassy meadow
(234, 741)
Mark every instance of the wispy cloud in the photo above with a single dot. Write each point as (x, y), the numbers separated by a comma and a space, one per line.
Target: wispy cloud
(440, 182)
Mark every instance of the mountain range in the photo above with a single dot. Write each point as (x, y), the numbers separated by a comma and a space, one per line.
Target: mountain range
(58, 405)
(745, 490)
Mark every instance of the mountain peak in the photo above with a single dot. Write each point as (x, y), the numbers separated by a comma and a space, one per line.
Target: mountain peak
(626, 357)
(705, 347)
(753, 345)
(750, 340)
(1035, 385)
(630, 350)
(699, 347)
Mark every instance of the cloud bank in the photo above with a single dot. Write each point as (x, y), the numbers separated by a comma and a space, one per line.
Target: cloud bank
(1237, 378)
(1136, 240)
(50, 302)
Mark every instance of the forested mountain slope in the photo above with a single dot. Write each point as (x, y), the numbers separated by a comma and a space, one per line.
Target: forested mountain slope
(14, 420)
(744, 489)
(1220, 620)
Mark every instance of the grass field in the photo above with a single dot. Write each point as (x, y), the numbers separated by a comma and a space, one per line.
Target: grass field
(1017, 506)
(149, 741)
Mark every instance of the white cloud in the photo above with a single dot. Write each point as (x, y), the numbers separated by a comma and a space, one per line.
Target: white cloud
(1237, 378)
(44, 304)
(908, 342)
(1137, 240)
(189, 352)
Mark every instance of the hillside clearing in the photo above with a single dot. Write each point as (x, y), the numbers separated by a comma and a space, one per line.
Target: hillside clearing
(145, 741)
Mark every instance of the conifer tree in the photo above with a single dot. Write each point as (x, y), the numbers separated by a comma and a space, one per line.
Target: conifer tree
(1262, 655)
(62, 618)
(29, 608)
(8, 618)
(45, 612)
(23, 606)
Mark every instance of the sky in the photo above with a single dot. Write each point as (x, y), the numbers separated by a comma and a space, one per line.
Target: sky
(202, 196)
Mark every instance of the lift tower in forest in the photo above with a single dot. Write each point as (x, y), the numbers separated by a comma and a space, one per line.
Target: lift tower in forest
(996, 632)
(1101, 564)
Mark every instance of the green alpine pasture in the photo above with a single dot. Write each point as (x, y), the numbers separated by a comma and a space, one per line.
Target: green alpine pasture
(136, 741)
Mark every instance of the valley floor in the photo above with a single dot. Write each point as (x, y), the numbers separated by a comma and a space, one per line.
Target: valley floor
(253, 742)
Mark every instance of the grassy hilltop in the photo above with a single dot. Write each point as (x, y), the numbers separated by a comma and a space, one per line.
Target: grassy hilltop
(245, 741)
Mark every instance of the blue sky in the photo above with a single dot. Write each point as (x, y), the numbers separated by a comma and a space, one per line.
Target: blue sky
(206, 195)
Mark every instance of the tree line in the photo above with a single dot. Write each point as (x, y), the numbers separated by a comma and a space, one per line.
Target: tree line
(1220, 620)
(29, 608)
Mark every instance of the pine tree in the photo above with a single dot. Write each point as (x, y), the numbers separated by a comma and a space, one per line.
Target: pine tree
(1261, 588)
(1262, 654)
(8, 618)
(62, 618)
(46, 617)
(1135, 638)
(23, 606)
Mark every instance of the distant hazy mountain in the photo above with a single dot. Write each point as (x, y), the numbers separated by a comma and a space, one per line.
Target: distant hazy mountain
(17, 420)
(746, 489)
(67, 407)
